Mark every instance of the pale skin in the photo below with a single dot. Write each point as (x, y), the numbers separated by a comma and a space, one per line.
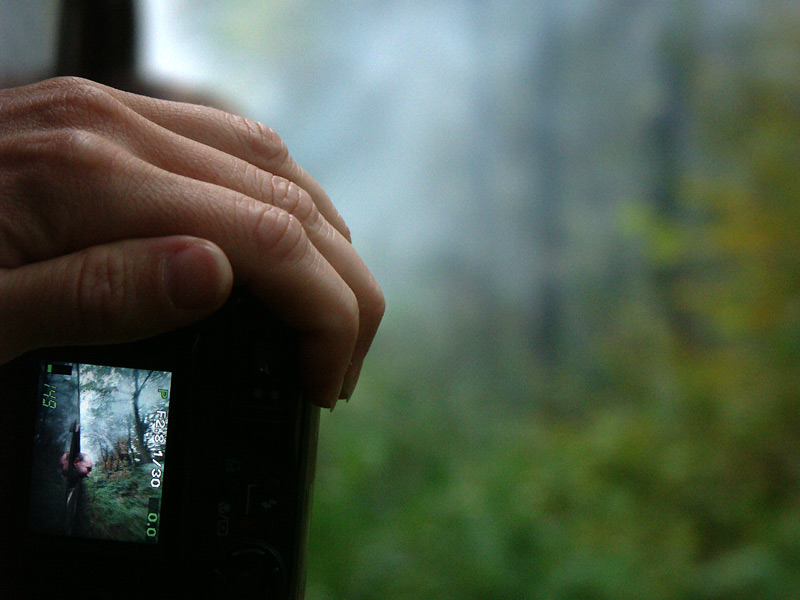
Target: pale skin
(83, 465)
(123, 216)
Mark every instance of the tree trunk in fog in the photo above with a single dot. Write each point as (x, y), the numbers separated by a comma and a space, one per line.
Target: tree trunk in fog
(138, 424)
(669, 145)
(547, 209)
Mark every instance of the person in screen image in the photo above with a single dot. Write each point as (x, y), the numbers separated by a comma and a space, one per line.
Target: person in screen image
(75, 467)
(77, 470)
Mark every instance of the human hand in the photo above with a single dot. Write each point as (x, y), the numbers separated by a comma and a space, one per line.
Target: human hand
(122, 217)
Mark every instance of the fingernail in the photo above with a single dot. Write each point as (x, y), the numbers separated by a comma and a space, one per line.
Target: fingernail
(350, 381)
(198, 276)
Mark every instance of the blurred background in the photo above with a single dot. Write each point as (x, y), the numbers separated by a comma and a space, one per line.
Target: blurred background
(585, 217)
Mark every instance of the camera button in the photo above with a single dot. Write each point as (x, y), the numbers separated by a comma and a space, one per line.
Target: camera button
(254, 570)
(264, 499)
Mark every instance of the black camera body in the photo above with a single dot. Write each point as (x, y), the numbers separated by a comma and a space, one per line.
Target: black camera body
(176, 467)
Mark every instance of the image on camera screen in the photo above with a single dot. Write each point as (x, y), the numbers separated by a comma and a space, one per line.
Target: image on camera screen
(99, 452)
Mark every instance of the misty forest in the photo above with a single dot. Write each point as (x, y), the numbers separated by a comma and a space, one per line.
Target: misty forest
(123, 408)
(121, 418)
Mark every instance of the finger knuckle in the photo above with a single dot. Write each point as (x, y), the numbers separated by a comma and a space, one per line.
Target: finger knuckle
(295, 200)
(279, 234)
(65, 81)
(39, 153)
(260, 140)
(100, 289)
(73, 145)
(81, 152)
(73, 99)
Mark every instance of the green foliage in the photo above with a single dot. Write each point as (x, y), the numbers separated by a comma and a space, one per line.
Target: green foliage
(116, 508)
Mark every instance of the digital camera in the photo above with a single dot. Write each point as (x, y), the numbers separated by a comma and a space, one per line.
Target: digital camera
(176, 467)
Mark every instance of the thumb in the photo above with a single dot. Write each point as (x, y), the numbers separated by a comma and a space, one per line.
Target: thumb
(116, 292)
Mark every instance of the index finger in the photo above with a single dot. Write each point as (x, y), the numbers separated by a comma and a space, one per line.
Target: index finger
(238, 136)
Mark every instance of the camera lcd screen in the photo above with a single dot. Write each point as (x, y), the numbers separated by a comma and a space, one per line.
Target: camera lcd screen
(99, 452)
